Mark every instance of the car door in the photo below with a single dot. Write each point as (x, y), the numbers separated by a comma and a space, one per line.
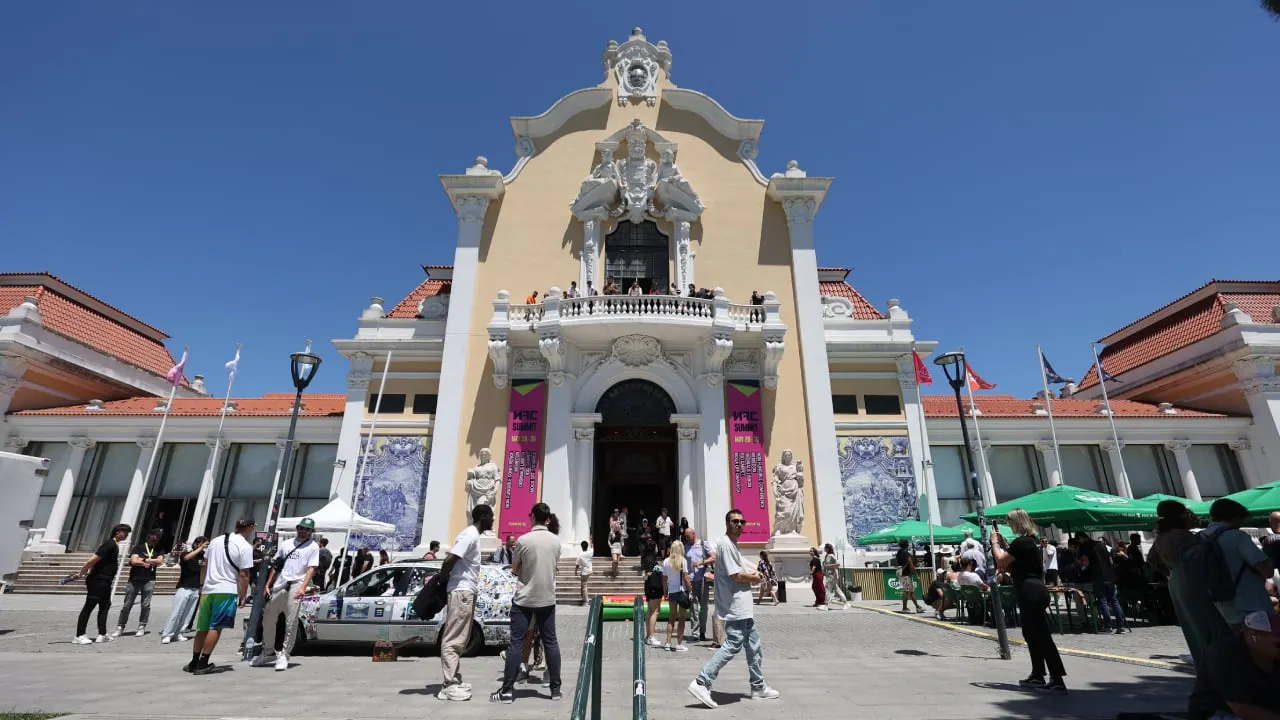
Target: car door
(404, 624)
(362, 608)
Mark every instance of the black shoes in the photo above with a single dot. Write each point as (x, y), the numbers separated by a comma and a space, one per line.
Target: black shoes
(1032, 682)
(501, 697)
(1055, 686)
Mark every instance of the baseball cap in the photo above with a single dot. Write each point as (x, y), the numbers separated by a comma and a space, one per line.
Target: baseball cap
(1263, 622)
(307, 523)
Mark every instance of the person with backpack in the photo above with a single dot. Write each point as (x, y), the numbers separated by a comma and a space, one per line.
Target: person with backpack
(1202, 625)
(654, 590)
(1229, 566)
(1097, 570)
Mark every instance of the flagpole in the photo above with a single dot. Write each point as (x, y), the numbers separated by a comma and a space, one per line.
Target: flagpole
(202, 502)
(146, 475)
(1048, 404)
(1115, 436)
(364, 463)
(977, 432)
(925, 462)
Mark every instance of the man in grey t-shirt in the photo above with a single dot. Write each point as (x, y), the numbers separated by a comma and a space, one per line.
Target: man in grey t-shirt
(733, 603)
(534, 604)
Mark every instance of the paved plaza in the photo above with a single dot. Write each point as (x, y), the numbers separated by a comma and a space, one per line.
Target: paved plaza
(864, 663)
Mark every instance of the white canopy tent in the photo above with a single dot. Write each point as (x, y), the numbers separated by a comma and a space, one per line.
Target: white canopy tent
(338, 517)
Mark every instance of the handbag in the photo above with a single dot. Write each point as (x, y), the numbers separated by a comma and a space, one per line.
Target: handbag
(431, 599)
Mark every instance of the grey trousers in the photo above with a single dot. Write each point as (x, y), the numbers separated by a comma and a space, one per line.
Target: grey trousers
(131, 592)
(700, 591)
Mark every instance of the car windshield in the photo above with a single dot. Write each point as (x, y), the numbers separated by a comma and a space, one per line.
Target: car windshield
(389, 581)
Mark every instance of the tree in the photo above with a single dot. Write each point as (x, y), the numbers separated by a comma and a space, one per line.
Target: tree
(1272, 7)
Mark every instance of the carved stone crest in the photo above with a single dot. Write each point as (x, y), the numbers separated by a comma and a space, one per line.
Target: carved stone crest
(636, 350)
(528, 361)
(634, 64)
(743, 363)
(435, 307)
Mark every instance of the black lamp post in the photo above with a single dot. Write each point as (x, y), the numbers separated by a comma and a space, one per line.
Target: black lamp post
(953, 365)
(302, 367)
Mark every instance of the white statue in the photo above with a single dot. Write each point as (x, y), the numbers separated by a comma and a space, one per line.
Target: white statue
(639, 176)
(604, 173)
(482, 484)
(788, 496)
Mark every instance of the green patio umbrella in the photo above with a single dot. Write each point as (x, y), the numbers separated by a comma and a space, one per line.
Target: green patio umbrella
(1199, 507)
(1261, 501)
(913, 531)
(973, 526)
(1073, 508)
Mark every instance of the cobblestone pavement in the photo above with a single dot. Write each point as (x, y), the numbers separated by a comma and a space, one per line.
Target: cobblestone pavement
(855, 663)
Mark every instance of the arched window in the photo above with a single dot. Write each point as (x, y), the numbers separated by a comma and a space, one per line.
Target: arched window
(638, 252)
(635, 403)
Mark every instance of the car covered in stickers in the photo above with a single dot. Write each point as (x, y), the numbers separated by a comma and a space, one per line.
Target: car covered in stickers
(378, 605)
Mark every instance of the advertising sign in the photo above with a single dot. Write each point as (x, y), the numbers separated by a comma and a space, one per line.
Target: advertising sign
(746, 459)
(520, 472)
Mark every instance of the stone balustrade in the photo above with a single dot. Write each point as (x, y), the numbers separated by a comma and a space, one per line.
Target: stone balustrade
(636, 307)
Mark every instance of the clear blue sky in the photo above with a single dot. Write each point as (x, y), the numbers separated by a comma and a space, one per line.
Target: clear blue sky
(1014, 172)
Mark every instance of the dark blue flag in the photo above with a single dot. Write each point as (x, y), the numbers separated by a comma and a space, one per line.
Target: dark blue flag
(1106, 376)
(1051, 376)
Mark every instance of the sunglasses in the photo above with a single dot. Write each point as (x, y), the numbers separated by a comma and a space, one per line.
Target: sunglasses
(737, 521)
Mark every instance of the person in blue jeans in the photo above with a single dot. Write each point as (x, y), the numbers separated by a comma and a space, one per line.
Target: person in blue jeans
(1095, 566)
(733, 602)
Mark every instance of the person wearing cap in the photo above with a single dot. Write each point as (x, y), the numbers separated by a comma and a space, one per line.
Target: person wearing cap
(291, 572)
(1241, 678)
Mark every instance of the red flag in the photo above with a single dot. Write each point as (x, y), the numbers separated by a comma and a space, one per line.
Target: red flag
(922, 372)
(975, 380)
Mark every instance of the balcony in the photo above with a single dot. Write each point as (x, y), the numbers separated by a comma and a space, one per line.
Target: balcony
(656, 311)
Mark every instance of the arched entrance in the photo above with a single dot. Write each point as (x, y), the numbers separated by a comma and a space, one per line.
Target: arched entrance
(636, 457)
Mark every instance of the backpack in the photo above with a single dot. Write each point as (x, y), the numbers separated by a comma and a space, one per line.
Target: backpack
(1206, 566)
(431, 599)
(653, 584)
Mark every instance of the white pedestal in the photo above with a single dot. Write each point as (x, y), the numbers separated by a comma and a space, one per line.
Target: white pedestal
(43, 547)
(489, 544)
(790, 555)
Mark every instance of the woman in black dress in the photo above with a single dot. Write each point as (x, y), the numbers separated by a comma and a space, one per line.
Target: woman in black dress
(1022, 559)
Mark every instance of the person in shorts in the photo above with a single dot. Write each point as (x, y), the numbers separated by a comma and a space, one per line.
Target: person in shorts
(225, 585)
(907, 575)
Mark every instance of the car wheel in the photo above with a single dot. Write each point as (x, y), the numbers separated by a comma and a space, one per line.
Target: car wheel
(476, 642)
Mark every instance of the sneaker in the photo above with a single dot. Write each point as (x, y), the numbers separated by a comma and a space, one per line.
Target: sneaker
(702, 693)
(654, 642)
(1055, 686)
(82, 640)
(282, 662)
(453, 693)
(556, 695)
(102, 639)
(501, 697)
(764, 693)
(1033, 682)
(669, 647)
(118, 631)
(165, 640)
(181, 638)
(142, 630)
(681, 648)
(262, 660)
(1121, 630)
(203, 669)
(522, 675)
(937, 615)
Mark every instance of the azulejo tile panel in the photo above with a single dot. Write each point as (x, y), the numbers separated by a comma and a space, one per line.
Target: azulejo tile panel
(393, 489)
(878, 483)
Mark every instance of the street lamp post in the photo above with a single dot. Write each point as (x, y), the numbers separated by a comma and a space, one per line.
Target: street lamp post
(953, 365)
(303, 368)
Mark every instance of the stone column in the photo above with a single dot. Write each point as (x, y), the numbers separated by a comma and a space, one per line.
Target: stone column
(442, 476)
(359, 374)
(1050, 462)
(138, 487)
(918, 436)
(1190, 488)
(11, 369)
(1261, 387)
(283, 444)
(687, 505)
(66, 489)
(588, 271)
(1123, 488)
(1244, 459)
(586, 460)
(217, 457)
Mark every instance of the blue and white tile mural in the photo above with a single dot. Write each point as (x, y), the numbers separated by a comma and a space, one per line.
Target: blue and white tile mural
(879, 484)
(393, 490)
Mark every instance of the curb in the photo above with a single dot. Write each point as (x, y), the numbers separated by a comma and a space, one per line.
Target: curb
(1144, 662)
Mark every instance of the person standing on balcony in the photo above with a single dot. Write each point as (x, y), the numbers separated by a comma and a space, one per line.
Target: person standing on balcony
(636, 290)
(675, 290)
(532, 299)
(610, 287)
(573, 291)
(693, 290)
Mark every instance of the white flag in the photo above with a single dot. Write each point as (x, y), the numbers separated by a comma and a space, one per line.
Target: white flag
(234, 363)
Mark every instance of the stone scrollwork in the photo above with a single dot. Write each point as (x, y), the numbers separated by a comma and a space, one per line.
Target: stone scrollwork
(687, 434)
(834, 306)
(9, 385)
(719, 348)
(800, 210)
(528, 362)
(774, 346)
(743, 363)
(584, 434)
(500, 354)
(637, 350)
(556, 351)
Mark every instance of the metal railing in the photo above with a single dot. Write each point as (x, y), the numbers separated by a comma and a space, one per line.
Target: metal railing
(588, 685)
(639, 696)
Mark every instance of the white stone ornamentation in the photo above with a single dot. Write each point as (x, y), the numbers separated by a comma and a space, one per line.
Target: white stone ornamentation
(471, 208)
(500, 354)
(687, 434)
(788, 495)
(434, 307)
(834, 306)
(675, 192)
(718, 350)
(639, 177)
(528, 362)
(482, 483)
(743, 363)
(1239, 444)
(584, 434)
(637, 350)
(634, 65)
(800, 210)
(9, 385)
(774, 347)
(556, 351)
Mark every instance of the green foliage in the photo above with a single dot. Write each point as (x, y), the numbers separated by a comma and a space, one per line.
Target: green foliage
(1272, 7)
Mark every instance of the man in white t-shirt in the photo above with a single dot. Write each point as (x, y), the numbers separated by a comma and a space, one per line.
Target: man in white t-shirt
(733, 603)
(461, 569)
(967, 576)
(584, 569)
(1049, 559)
(224, 585)
(664, 525)
(295, 564)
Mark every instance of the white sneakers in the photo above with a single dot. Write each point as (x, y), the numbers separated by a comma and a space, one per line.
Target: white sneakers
(142, 630)
(282, 662)
(166, 640)
(681, 648)
(653, 642)
(181, 638)
(102, 639)
(702, 693)
(454, 693)
(764, 693)
(262, 660)
(82, 640)
(118, 631)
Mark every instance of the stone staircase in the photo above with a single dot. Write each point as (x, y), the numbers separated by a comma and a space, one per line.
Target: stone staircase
(628, 582)
(40, 574)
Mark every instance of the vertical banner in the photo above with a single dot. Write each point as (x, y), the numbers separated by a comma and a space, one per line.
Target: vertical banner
(746, 459)
(525, 429)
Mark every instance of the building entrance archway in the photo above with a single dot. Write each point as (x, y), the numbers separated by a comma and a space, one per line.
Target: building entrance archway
(635, 462)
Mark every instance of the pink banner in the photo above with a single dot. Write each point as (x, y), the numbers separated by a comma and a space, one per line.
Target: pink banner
(520, 484)
(746, 457)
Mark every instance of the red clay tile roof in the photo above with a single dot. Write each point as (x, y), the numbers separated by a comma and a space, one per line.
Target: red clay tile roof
(1186, 325)
(269, 405)
(862, 310)
(142, 346)
(408, 307)
(1007, 406)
